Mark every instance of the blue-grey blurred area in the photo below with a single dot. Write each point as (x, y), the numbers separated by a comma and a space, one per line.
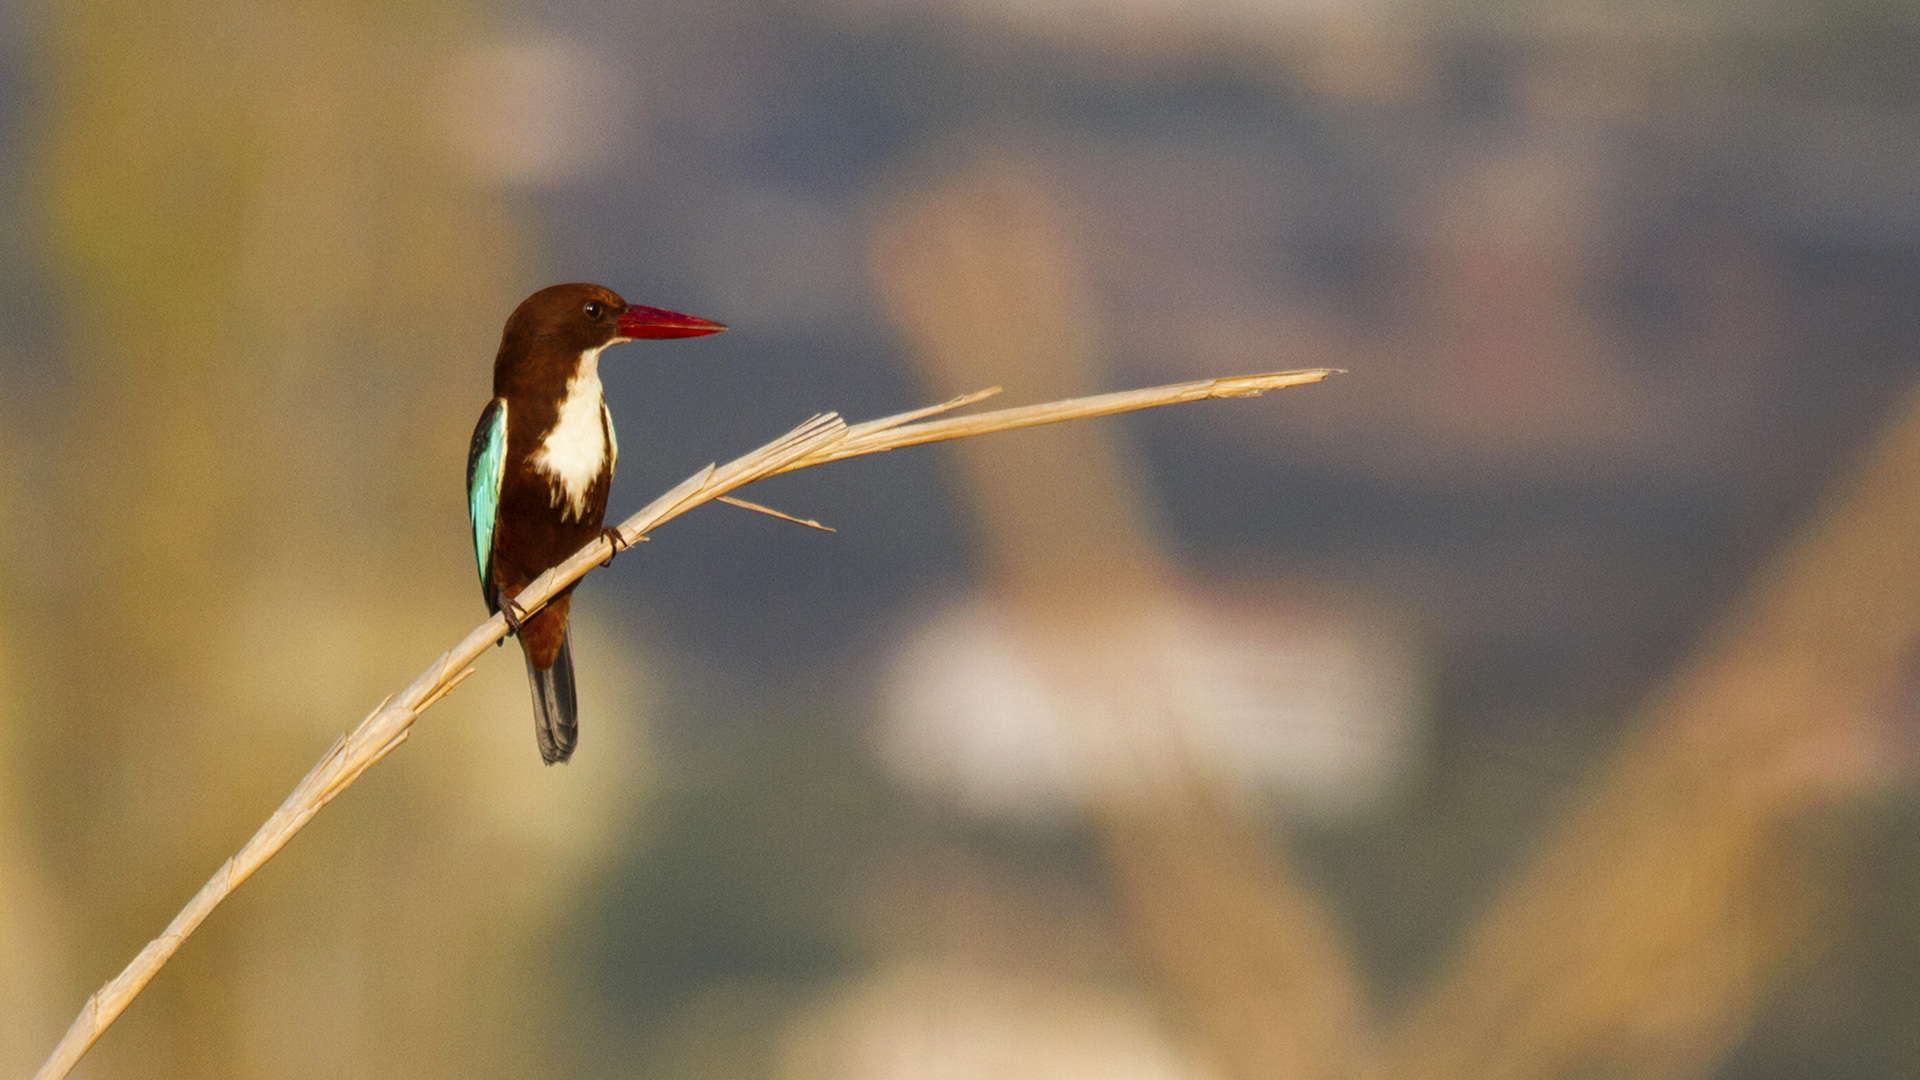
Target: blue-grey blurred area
(1533, 699)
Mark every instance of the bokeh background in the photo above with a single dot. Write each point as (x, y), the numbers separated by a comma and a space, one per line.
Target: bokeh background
(1536, 700)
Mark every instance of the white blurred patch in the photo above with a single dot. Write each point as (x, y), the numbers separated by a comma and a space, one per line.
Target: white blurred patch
(1218, 15)
(1224, 19)
(948, 1022)
(532, 111)
(1318, 708)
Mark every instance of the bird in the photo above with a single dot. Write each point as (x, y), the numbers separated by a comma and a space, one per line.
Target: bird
(539, 468)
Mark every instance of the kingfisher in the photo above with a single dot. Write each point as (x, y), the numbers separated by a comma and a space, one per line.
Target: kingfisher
(539, 468)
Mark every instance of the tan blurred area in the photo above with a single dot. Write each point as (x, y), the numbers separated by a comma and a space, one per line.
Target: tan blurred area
(1440, 721)
(979, 269)
(281, 293)
(1647, 932)
(33, 933)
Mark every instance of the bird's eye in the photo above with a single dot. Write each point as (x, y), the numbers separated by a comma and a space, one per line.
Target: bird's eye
(594, 309)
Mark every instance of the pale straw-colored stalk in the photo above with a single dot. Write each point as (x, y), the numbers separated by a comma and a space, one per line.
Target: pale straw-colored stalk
(820, 440)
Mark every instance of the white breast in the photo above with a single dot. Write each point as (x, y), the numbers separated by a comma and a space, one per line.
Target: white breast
(575, 451)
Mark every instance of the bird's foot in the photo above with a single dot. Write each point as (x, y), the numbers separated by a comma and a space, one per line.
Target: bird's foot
(619, 544)
(515, 615)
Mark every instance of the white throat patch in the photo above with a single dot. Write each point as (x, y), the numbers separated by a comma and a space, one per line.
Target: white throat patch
(575, 451)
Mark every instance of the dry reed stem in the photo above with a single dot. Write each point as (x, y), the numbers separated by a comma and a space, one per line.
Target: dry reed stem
(820, 440)
(771, 512)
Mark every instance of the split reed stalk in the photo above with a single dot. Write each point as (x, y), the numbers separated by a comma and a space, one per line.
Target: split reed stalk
(820, 440)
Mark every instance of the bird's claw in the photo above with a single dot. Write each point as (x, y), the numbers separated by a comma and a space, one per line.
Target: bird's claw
(515, 615)
(618, 543)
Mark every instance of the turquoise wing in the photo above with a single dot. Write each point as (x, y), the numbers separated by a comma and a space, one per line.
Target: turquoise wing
(613, 441)
(486, 471)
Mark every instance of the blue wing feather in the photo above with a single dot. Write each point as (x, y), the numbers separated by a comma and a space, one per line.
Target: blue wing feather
(486, 471)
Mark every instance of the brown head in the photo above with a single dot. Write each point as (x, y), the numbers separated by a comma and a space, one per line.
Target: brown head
(550, 331)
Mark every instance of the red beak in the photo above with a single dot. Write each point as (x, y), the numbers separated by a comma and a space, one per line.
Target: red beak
(652, 322)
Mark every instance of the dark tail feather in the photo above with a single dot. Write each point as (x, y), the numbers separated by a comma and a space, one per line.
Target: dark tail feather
(556, 715)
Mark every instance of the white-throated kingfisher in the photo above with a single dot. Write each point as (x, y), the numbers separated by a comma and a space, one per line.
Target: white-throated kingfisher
(540, 465)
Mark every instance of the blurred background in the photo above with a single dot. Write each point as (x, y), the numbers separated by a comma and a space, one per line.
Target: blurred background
(1536, 700)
